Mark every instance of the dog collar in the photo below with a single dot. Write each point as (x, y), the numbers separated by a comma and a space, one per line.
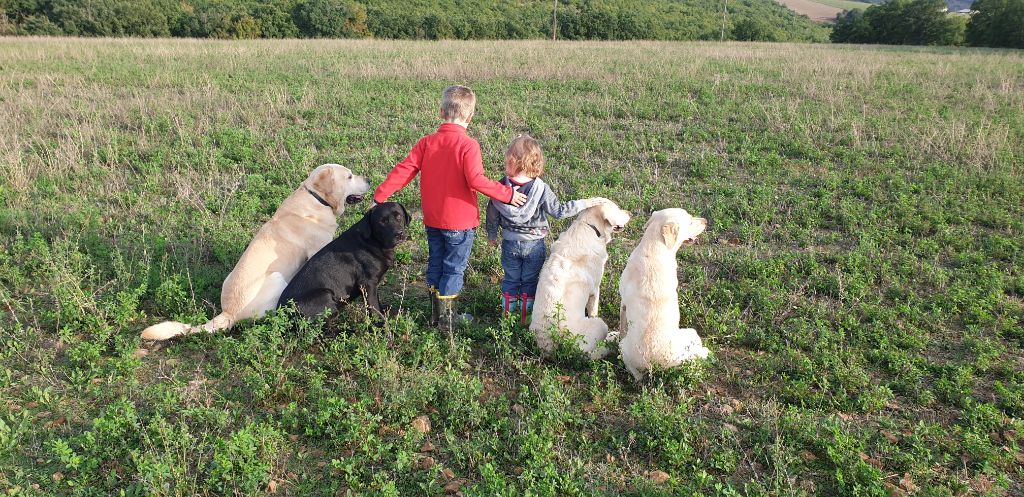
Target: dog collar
(318, 197)
(596, 231)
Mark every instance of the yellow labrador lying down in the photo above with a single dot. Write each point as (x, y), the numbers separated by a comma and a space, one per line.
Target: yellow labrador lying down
(305, 222)
(572, 277)
(649, 333)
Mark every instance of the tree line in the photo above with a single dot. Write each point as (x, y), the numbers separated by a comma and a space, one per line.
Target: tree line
(410, 19)
(992, 23)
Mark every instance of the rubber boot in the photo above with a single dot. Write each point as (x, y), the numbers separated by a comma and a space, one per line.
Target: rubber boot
(509, 304)
(435, 308)
(526, 307)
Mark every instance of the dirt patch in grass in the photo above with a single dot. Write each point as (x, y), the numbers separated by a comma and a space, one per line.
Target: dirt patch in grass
(816, 11)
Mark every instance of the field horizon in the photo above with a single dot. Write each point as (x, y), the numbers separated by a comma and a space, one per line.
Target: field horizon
(860, 285)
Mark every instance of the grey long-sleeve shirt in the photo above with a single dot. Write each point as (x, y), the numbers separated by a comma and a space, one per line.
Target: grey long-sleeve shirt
(530, 221)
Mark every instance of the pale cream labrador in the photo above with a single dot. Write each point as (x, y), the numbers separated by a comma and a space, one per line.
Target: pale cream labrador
(570, 281)
(305, 222)
(649, 333)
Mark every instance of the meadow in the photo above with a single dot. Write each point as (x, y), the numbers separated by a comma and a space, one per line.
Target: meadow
(860, 285)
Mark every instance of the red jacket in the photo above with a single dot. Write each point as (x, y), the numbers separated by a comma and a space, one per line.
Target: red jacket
(452, 169)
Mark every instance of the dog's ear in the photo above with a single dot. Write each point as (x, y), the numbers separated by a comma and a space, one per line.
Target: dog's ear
(602, 215)
(323, 184)
(670, 233)
(404, 211)
(613, 217)
(365, 225)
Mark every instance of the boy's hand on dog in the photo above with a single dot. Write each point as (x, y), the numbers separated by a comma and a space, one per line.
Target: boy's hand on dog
(518, 199)
(596, 201)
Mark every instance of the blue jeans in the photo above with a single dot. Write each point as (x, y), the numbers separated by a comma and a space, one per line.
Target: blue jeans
(448, 255)
(522, 262)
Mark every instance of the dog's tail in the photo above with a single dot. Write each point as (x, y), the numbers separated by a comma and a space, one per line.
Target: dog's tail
(687, 345)
(170, 329)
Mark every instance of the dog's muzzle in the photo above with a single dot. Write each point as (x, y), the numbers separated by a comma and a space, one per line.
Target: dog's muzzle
(617, 228)
(353, 199)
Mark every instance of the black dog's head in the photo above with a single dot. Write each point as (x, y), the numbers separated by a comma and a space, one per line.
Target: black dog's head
(386, 224)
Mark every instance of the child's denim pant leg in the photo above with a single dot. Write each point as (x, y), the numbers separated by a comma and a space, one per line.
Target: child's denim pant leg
(512, 263)
(522, 261)
(448, 256)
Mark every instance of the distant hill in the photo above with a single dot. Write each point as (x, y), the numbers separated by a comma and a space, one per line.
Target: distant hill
(411, 19)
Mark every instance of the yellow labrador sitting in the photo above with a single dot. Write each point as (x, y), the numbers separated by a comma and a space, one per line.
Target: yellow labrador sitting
(571, 278)
(649, 333)
(305, 222)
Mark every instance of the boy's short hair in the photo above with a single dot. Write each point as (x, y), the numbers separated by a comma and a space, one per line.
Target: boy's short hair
(457, 102)
(525, 157)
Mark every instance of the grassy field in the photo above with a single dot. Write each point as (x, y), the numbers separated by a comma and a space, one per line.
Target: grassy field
(860, 284)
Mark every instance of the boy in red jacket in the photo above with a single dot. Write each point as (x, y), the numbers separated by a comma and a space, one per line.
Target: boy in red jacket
(452, 171)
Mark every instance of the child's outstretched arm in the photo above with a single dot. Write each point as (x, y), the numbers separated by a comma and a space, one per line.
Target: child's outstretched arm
(400, 175)
(561, 210)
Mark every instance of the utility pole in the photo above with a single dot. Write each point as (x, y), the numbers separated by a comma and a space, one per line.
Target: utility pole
(725, 11)
(554, 20)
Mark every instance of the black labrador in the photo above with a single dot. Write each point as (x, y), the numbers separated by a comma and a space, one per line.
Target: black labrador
(351, 266)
